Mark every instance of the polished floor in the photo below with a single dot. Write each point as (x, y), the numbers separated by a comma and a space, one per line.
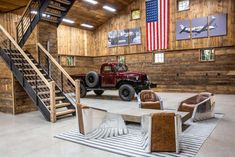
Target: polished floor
(29, 135)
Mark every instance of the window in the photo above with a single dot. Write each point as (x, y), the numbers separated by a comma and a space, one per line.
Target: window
(135, 14)
(107, 69)
(159, 58)
(121, 59)
(183, 5)
(207, 55)
(67, 60)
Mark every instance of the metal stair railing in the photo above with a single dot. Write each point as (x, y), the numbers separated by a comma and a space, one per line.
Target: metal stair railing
(8, 44)
(29, 14)
(63, 80)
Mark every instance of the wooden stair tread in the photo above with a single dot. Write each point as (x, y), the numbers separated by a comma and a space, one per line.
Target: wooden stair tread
(53, 14)
(60, 105)
(57, 7)
(27, 69)
(56, 98)
(63, 2)
(48, 92)
(69, 111)
(32, 75)
(40, 86)
(50, 20)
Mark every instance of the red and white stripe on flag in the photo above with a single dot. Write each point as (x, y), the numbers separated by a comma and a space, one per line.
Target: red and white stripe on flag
(157, 33)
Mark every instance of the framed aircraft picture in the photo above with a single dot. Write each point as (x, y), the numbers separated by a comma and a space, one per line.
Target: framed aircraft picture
(200, 27)
(123, 37)
(113, 39)
(217, 25)
(135, 36)
(183, 30)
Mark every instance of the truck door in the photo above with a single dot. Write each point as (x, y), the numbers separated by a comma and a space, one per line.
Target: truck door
(108, 76)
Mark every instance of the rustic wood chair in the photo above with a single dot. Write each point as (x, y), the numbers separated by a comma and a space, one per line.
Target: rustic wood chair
(148, 99)
(200, 106)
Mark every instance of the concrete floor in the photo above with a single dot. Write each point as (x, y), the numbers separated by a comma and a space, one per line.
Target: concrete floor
(28, 135)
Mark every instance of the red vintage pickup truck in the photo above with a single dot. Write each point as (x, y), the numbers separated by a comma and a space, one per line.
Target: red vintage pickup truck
(114, 76)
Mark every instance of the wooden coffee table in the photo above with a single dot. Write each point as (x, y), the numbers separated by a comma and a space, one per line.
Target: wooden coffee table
(135, 114)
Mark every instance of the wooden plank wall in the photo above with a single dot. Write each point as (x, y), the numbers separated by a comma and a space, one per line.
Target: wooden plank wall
(13, 98)
(182, 70)
(74, 41)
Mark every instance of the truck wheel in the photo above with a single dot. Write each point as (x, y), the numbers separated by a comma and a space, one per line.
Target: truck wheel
(126, 92)
(83, 90)
(99, 92)
(92, 79)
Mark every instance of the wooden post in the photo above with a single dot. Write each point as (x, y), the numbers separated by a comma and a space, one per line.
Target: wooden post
(52, 102)
(77, 86)
(77, 92)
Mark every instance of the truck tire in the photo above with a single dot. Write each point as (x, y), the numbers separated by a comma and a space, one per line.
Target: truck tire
(83, 90)
(92, 79)
(98, 92)
(126, 92)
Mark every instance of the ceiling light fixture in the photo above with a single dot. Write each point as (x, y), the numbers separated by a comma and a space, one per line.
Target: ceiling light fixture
(34, 12)
(91, 1)
(68, 21)
(87, 25)
(108, 8)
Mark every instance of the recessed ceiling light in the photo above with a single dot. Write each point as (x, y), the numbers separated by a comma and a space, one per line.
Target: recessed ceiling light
(108, 8)
(68, 21)
(91, 1)
(87, 25)
(34, 12)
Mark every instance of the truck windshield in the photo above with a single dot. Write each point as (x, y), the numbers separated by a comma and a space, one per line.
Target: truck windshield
(121, 68)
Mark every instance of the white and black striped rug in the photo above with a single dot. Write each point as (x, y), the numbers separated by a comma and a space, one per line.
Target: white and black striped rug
(131, 144)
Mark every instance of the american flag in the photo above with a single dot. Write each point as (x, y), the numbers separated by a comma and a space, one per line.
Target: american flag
(157, 24)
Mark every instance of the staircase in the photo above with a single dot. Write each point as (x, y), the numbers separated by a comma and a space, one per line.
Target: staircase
(52, 90)
(52, 11)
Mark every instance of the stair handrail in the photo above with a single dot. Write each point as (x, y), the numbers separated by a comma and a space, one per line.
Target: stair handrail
(26, 8)
(26, 57)
(57, 64)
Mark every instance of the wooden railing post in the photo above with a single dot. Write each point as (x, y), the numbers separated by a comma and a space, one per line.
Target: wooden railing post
(52, 102)
(77, 88)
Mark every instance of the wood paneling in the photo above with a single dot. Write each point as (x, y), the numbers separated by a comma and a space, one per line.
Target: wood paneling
(13, 98)
(182, 70)
(10, 5)
(198, 8)
(74, 41)
(8, 21)
(6, 96)
(83, 12)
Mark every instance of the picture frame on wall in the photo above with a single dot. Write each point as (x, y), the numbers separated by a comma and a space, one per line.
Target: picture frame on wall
(207, 55)
(200, 27)
(183, 5)
(135, 14)
(123, 37)
(135, 36)
(183, 30)
(217, 25)
(67, 60)
(113, 39)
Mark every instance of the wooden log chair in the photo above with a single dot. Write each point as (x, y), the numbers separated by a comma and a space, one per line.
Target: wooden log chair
(97, 123)
(200, 106)
(163, 131)
(148, 99)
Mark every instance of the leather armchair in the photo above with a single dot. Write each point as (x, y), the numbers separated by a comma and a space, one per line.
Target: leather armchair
(148, 99)
(200, 106)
